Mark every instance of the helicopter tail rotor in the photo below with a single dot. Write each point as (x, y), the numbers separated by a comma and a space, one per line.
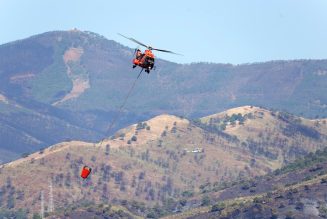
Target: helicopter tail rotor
(135, 50)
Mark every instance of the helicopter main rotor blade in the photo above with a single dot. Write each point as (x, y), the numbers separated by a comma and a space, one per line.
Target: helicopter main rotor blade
(134, 40)
(148, 47)
(162, 50)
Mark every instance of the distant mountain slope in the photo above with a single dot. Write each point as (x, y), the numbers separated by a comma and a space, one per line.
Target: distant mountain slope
(23, 130)
(164, 158)
(82, 78)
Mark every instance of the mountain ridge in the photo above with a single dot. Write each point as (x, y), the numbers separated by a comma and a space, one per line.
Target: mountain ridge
(34, 74)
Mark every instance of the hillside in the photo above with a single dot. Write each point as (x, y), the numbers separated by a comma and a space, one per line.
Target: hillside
(273, 134)
(298, 190)
(78, 80)
(158, 162)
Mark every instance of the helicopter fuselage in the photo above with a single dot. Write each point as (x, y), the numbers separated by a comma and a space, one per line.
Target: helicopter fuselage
(144, 60)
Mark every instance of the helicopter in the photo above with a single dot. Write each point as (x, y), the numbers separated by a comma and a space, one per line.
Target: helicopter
(145, 60)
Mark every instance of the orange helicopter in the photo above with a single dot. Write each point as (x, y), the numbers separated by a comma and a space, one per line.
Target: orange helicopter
(145, 60)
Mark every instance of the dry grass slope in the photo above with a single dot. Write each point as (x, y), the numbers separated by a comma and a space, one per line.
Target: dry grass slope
(148, 162)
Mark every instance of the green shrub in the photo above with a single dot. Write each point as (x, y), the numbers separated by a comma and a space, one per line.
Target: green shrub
(218, 207)
(134, 138)
(205, 201)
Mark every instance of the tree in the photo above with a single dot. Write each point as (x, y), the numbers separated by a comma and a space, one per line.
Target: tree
(183, 202)
(133, 181)
(2, 192)
(107, 149)
(205, 200)
(323, 211)
(142, 175)
(164, 133)
(41, 151)
(20, 195)
(218, 207)
(24, 155)
(80, 160)
(122, 136)
(106, 172)
(252, 162)
(36, 216)
(145, 155)
(68, 156)
(134, 138)
(289, 215)
(140, 125)
(105, 192)
(68, 180)
(188, 194)
(8, 182)
(299, 206)
(274, 216)
(10, 201)
(122, 185)
(119, 177)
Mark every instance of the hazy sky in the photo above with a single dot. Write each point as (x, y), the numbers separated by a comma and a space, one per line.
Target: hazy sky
(229, 31)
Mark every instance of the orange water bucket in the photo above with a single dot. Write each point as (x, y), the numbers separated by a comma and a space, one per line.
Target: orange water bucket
(85, 172)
